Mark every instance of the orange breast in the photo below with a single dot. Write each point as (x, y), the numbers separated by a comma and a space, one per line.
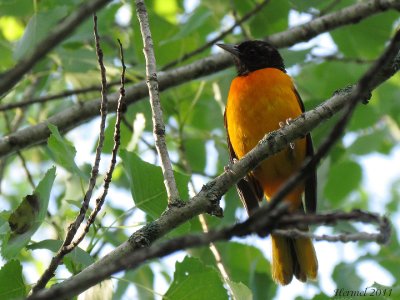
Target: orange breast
(256, 104)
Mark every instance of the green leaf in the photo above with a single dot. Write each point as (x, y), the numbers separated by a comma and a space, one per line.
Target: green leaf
(37, 29)
(109, 136)
(346, 277)
(318, 81)
(78, 255)
(343, 178)
(142, 278)
(355, 41)
(196, 153)
(195, 21)
(252, 269)
(12, 281)
(195, 281)
(63, 152)
(305, 6)
(144, 281)
(240, 291)
(364, 116)
(16, 8)
(17, 240)
(375, 141)
(293, 57)
(147, 184)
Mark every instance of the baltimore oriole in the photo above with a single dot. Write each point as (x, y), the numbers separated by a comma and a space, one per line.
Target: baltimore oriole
(261, 99)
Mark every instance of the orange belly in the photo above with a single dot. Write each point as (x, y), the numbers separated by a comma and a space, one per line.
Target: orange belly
(256, 104)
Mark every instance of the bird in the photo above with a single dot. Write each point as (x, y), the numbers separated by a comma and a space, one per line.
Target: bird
(262, 98)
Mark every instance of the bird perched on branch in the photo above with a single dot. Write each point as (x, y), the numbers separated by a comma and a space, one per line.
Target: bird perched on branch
(262, 98)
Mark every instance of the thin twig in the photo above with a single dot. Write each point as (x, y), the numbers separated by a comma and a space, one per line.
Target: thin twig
(117, 141)
(236, 17)
(58, 34)
(336, 57)
(219, 37)
(58, 96)
(188, 169)
(218, 259)
(158, 123)
(73, 227)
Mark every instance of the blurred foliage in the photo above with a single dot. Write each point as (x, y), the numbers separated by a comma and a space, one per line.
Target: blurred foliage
(193, 113)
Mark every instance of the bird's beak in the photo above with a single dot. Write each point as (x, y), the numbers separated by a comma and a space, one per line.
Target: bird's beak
(233, 49)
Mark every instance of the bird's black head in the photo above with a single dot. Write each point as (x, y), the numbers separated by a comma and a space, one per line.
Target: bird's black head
(254, 55)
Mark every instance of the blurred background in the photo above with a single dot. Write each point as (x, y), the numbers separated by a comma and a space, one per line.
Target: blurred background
(362, 170)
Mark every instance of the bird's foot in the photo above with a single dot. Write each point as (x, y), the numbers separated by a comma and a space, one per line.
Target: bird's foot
(283, 124)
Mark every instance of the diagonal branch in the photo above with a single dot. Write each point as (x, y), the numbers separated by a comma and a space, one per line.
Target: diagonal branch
(266, 224)
(129, 253)
(220, 36)
(65, 28)
(82, 112)
(156, 109)
(386, 65)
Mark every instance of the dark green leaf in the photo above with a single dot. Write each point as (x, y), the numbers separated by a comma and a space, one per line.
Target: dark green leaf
(195, 151)
(277, 14)
(293, 57)
(78, 255)
(375, 141)
(147, 184)
(37, 29)
(196, 20)
(252, 269)
(364, 116)
(142, 278)
(12, 281)
(17, 241)
(195, 281)
(344, 177)
(345, 277)
(366, 39)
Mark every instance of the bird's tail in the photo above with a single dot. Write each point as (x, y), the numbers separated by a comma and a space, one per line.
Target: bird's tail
(293, 257)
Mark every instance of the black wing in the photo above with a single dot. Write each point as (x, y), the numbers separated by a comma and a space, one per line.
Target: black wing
(249, 190)
(311, 182)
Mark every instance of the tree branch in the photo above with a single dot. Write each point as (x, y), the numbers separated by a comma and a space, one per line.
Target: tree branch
(220, 36)
(130, 254)
(66, 27)
(82, 112)
(266, 224)
(58, 96)
(384, 67)
(156, 109)
(74, 226)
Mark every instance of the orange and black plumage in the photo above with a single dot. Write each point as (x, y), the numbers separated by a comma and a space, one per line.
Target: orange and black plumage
(262, 98)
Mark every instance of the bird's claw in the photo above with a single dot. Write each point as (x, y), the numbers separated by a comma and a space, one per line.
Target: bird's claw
(283, 124)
